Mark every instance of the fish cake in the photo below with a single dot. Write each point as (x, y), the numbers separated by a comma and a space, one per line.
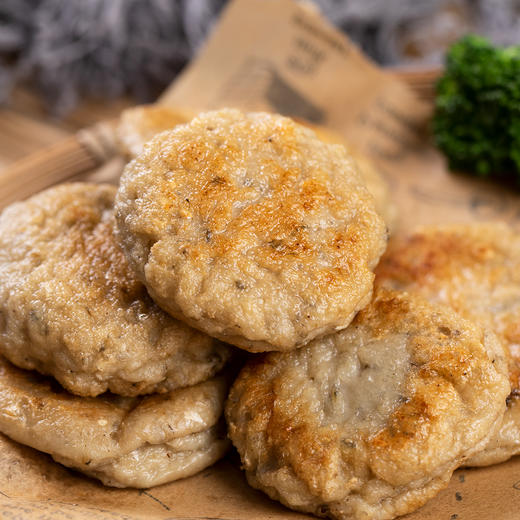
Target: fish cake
(369, 422)
(251, 229)
(475, 269)
(71, 307)
(122, 441)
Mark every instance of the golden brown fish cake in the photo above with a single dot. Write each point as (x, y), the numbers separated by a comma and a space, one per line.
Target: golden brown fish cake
(475, 269)
(123, 441)
(137, 125)
(71, 307)
(251, 229)
(369, 422)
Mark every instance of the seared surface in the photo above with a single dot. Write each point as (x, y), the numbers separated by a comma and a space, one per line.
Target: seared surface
(371, 421)
(70, 306)
(251, 229)
(123, 441)
(476, 270)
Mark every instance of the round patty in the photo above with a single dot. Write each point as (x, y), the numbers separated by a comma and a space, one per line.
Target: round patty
(123, 441)
(369, 422)
(71, 307)
(250, 228)
(475, 269)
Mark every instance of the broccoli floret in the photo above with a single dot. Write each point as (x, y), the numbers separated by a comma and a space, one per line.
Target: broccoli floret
(477, 109)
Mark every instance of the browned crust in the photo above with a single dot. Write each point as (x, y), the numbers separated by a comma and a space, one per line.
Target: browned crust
(260, 198)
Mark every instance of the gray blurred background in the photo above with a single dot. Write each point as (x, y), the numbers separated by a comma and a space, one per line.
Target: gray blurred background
(69, 49)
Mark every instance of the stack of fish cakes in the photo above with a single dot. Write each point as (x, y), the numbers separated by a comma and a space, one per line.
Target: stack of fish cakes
(254, 231)
(71, 308)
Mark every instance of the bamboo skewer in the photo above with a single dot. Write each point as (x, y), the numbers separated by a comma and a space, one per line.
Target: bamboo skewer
(84, 151)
